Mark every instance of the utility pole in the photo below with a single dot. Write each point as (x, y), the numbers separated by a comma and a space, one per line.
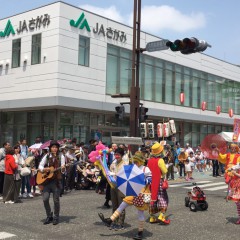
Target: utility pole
(135, 89)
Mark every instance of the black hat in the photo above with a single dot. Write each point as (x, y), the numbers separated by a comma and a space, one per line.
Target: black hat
(54, 142)
(119, 151)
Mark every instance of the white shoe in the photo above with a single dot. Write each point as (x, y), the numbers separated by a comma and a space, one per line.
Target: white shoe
(1, 198)
(24, 195)
(30, 195)
(11, 202)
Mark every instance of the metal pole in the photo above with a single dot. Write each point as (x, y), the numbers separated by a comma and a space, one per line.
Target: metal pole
(135, 90)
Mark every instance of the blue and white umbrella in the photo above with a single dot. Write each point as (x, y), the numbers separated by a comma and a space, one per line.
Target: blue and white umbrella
(130, 180)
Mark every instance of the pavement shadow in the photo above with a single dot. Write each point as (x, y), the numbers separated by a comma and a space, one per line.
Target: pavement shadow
(126, 225)
(64, 219)
(127, 234)
(231, 220)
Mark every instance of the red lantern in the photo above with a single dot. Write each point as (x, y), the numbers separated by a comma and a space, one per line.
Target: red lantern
(218, 109)
(204, 106)
(230, 112)
(182, 98)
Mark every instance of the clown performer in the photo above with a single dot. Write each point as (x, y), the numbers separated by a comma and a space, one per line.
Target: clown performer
(159, 196)
(141, 206)
(232, 174)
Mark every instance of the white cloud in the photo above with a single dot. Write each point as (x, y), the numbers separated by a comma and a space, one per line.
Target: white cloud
(110, 12)
(155, 18)
(158, 18)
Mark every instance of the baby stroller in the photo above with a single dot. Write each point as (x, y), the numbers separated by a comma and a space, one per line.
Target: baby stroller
(196, 199)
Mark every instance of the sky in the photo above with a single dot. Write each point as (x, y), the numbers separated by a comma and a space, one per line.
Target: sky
(214, 21)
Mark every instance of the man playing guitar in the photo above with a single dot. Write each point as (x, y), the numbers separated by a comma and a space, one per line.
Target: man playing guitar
(57, 161)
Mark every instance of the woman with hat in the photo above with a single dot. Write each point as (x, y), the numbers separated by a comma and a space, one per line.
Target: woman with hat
(131, 200)
(159, 196)
(57, 161)
(232, 175)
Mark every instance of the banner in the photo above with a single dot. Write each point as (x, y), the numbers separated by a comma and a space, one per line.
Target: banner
(236, 129)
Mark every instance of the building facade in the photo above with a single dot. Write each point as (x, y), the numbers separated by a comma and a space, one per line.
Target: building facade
(59, 66)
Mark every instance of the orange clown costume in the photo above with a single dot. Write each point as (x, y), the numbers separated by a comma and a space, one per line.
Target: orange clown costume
(159, 196)
(232, 174)
(138, 202)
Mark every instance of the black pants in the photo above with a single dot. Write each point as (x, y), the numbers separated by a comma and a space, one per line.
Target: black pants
(1, 182)
(170, 172)
(182, 169)
(53, 187)
(108, 193)
(70, 181)
(215, 168)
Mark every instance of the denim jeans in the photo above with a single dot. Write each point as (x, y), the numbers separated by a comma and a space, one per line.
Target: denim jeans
(26, 183)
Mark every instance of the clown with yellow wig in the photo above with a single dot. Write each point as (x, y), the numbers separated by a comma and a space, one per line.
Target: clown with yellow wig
(138, 202)
(232, 174)
(159, 196)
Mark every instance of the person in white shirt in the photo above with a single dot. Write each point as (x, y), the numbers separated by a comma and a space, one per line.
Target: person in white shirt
(52, 160)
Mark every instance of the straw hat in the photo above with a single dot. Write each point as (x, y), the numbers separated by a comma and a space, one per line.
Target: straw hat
(157, 148)
(77, 153)
(138, 157)
(183, 156)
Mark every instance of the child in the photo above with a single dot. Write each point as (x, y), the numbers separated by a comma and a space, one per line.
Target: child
(188, 169)
(192, 162)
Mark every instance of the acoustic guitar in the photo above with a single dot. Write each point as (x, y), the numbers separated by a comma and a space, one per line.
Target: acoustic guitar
(44, 177)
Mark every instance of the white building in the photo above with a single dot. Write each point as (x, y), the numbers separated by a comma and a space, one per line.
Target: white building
(59, 66)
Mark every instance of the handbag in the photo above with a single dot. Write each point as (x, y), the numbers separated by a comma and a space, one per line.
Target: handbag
(25, 171)
(147, 197)
(165, 184)
(138, 201)
(147, 194)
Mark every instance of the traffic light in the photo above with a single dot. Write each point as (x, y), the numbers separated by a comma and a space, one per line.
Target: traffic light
(143, 114)
(188, 45)
(143, 130)
(120, 112)
(150, 130)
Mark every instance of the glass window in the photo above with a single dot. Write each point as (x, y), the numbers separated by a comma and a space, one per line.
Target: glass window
(187, 86)
(203, 91)
(195, 92)
(236, 108)
(125, 73)
(225, 93)
(169, 83)
(66, 117)
(7, 118)
(218, 92)
(211, 89)
(81, 118)
(158, 88)
(203, 128)
(178, 87)
(34, 117)
(36, 48)
(48, 116)
(231, 95)
(20, 117)
(148, 80)
(112, 74)
(16, 53)
(83, 51)
(211, 129)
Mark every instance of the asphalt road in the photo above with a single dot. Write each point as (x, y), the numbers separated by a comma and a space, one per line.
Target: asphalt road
(79, 219)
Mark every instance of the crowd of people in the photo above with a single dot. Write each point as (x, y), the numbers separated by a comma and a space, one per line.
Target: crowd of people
(69, 163)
